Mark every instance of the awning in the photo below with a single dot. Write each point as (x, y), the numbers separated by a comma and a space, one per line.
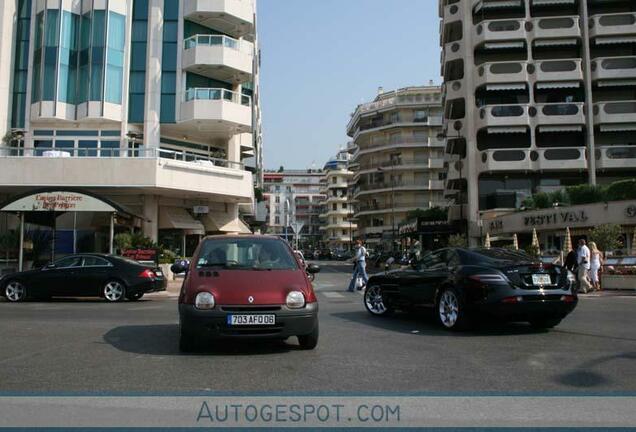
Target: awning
(552, 2)
(496, 4)
(224, 222)
(615, 40)
(619, 127)
(497, 87)
(616, 83)
(178, 218)
(503, 130)
(560, 128)
(504, 45)
(559, 84)
(555, 42)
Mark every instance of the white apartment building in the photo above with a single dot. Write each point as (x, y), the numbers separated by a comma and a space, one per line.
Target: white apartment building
(398, 160)
(539, 95)
(294, 202)
(338, 226)
(149, 105)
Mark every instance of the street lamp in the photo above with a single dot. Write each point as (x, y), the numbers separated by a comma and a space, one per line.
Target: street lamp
(380, 169)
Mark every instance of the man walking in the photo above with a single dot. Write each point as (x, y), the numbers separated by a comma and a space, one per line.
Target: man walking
(360, 266)
(583, 261)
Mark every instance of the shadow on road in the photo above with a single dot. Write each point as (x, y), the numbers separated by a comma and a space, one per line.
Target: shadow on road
(423, 323)
(163, 340)
(582, 377)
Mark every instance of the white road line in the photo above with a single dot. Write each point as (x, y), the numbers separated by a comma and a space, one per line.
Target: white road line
(331, 294)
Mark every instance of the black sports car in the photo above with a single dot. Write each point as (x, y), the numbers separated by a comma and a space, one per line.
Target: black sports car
(462, 284)
(87, 275)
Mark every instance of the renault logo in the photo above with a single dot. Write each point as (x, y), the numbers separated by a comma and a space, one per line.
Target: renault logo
(250, 299)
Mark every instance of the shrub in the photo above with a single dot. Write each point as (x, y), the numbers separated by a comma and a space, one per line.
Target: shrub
(532, 250)
(457, 240)
(622, 190)
(431, 214)
(586, 194)
(560, 196)
(607, 237)
(542, 200)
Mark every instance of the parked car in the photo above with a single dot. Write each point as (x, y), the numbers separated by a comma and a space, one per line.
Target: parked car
(463, 284)
(246, 286)
(85, 275)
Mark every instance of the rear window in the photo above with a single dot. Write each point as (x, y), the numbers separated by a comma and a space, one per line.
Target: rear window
(246, 253)
(494, 256)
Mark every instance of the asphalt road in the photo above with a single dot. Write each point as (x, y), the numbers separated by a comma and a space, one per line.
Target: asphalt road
(91, 346)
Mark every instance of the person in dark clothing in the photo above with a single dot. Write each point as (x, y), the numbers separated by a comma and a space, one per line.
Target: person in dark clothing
(571, 261)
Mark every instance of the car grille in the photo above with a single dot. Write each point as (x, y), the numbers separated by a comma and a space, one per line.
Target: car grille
(250, 308)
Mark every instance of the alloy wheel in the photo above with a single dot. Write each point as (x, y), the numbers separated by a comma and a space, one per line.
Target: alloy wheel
(15, 291)
(113, 291)
(448, 309)
(374, 301)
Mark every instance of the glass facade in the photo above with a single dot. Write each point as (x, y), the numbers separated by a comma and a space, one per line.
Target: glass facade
(74, 59)
(137, 80)
(169, 61)
(21, 64)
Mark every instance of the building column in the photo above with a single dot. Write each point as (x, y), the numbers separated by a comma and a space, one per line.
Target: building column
(234, 149)
(7, 26)
(152, 127)
(151, 217)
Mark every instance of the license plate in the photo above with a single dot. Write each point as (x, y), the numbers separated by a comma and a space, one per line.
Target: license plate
(541, 279)
(159, 274)
(248, 320)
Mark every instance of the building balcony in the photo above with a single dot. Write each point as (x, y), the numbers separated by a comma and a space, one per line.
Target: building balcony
(503, 115)
(452, 51)
(558, 70)
(611, 26)
(499, 30)
(91, 112)
(614, 68)
(233, 17)
(543, 159)
(366, 189)
(219, 57)
(151, 169)
(617, 157)
(560, 113)
(615, 112)
(217, 110)
(499, 74)
(555, 27)
(403, 165)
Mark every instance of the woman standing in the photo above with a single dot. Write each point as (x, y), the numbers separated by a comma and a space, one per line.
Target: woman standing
(595, 265)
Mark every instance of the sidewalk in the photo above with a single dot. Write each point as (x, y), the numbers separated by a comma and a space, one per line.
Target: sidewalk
(172, 290)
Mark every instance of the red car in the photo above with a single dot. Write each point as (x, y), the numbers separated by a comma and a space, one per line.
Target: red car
(246, 287)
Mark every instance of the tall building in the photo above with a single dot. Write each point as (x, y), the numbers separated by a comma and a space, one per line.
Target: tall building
(294, 203)
(337, 217)
(152, 105)
(539, 95)
(398, 160)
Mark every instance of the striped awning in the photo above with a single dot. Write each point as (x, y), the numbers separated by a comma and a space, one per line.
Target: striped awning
(615, 40)
(552, 2)
(559, 84)
(619, 127)
(561, 128)
(504, 45)
(555, 42)
(504, 130)
(496, 4)
(616, 83)
(498, 87)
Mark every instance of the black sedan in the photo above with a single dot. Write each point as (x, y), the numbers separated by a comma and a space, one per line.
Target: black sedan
(88, 275)
(463, 284)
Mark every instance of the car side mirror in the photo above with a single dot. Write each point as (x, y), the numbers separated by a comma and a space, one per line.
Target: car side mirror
(177, 268)
(313, 269)
(49, 266)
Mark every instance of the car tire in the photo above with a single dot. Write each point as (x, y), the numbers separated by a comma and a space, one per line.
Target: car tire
(15, 291)
(188, 341)
(545, 323)
(309, 341)
(375, 303)
(135, 296)
(450, 309)
(114, 291)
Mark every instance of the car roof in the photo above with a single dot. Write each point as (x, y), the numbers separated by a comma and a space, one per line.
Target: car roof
(242, 236)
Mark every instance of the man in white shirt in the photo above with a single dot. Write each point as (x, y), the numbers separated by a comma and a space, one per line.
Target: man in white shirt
(360, 267)
(583, 258)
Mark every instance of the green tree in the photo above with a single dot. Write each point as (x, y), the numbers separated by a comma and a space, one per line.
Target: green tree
(457, 240)
(607, 237)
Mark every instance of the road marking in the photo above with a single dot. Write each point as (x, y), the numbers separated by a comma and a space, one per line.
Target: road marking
(144, 308)
(331, 294)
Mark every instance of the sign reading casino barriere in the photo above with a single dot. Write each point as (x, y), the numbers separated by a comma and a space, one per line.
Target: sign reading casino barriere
(59, 201)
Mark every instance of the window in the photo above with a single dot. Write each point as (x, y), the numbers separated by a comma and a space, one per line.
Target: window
(98, 41)
(334, 207)
(68, 58)
(51, 38)
(21, 64)
(87, 149)
(277, 220)
(95, 262)
(70, 261)
(277, 200)
(115, 58)
(169, 62)
(109, 149)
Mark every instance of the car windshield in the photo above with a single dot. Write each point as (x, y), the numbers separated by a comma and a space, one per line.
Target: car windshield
(247, 253)
(494, 256)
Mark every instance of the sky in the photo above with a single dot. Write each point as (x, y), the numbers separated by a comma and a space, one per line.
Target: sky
(321, 58)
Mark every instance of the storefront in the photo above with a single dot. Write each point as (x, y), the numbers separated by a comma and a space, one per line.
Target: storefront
(430, 234)
(551, 224)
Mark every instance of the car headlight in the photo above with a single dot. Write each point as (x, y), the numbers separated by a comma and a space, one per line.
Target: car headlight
(295, 300)
(571, 277)
(204, 300)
